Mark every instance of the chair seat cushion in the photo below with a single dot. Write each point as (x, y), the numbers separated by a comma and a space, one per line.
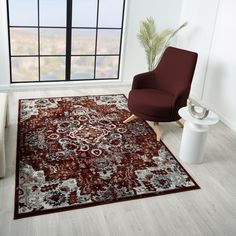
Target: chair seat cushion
(150, 102)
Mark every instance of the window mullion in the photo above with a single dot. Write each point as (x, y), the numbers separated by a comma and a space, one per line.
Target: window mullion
(96, 39)
(68, 39)
(39, 42)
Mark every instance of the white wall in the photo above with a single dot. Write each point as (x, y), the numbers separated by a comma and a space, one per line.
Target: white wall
(220, 86)
(201, 17)
(166, 14)
(4, 53)
(212, 33)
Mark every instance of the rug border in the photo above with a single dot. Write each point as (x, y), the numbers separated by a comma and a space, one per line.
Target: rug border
(68, 208)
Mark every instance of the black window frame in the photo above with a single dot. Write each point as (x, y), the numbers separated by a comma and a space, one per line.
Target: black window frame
(68, 56)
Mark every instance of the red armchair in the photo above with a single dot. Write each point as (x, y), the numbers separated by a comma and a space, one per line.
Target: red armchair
(159, 94)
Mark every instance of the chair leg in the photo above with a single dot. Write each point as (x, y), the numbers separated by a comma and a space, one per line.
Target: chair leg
(179, 122)
(157, 131)
(132, 117)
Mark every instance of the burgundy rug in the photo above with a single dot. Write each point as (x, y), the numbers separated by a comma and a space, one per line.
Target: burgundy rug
(75, 152)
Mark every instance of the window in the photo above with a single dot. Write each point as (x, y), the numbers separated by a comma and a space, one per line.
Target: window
(65, 40)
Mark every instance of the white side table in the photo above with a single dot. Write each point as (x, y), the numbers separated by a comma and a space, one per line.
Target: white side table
(194, 136)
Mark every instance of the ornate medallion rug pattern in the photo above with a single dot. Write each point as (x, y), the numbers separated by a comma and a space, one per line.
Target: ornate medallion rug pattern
(75, 152)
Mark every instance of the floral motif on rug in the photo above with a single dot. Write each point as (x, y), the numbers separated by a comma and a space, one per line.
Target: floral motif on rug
(74, 152)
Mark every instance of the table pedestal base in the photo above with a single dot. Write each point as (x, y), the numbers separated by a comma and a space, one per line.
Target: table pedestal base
(193, 143)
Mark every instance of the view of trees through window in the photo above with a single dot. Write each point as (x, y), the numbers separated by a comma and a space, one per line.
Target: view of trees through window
(62, 40)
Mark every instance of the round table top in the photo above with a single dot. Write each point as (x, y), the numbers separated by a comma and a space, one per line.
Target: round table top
(211, 119)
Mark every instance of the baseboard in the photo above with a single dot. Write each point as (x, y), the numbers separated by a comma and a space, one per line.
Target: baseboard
(4, 88)
(229, 123)
(64, 85)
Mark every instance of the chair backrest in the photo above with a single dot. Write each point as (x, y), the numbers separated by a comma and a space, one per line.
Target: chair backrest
(175, 71)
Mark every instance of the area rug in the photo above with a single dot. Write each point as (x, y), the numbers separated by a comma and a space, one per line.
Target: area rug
(75, 152)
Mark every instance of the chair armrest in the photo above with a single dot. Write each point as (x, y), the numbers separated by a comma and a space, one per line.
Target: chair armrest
(144, 80)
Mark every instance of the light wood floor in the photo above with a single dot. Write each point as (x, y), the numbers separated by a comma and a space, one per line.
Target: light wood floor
(208, 211)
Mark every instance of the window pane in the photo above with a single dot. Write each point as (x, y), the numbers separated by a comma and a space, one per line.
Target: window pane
(83, 41)
(24, 69)
(82, 67)
(110, 13)
(52, 12)
(24, 41)
(84, 13)
(52, 68)
(23, 12)
(52, 41)
(107, 67)
(108, 41)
